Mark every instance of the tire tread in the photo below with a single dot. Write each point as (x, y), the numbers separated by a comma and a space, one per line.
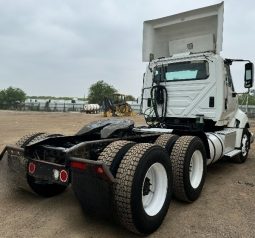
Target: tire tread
(29, 138)
(163, 139)
(177, 157)
(123, 186)
(110, 151)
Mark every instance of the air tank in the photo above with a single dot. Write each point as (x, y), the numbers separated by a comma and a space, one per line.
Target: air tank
(216, 146)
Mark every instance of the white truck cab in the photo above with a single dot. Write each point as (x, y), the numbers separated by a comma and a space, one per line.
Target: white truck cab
(187, 84)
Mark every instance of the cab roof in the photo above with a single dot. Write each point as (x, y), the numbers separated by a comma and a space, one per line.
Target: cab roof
(195, 31)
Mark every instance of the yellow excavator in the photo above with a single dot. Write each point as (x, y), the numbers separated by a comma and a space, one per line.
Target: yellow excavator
(117, 106)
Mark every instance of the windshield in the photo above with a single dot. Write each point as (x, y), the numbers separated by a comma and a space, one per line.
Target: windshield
(189, 70)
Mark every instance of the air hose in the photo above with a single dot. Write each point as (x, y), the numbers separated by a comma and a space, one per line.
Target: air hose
(159, 97)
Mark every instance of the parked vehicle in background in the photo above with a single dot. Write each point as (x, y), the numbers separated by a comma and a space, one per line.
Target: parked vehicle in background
(91, 108)
(116, 105)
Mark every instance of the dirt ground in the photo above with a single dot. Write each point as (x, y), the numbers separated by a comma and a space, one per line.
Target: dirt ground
(226, 207)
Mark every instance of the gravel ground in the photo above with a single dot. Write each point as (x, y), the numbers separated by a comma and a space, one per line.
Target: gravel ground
(225, 208)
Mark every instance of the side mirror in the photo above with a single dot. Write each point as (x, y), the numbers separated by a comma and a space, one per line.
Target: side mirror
(249, 75)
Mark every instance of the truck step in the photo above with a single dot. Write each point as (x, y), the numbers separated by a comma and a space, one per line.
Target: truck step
(232, 153)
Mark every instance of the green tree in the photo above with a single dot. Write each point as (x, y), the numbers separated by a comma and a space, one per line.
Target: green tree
(130, 98)
(99, 90)
(2, 96)
(243, 98)
(12, 95)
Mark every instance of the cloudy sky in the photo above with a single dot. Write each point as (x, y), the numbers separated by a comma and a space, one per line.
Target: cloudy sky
(61, 47)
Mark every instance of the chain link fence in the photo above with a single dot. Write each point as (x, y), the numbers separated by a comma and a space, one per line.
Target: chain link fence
(47, 107)
(79, 107)
(249, 110)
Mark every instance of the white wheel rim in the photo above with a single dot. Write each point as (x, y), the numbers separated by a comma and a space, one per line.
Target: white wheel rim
(154, 195)
(244, 145)
(196, 169)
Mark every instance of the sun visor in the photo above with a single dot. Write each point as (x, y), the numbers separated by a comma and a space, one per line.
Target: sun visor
(195, 31)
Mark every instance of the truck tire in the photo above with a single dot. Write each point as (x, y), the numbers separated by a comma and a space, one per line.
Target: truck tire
(40, 187)
(17, 167)
(25, 140)
(113, 154)
(188, 159)
(143, 188)
(96, 198)
(245, 147)
(167, 141)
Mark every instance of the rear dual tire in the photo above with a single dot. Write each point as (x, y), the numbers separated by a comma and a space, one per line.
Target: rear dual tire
(146, 161)
(188, 159)
(114, 153)
(167, 141)
(143, 184)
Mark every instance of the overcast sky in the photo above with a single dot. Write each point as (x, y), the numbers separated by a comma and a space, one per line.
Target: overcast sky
(61, 47)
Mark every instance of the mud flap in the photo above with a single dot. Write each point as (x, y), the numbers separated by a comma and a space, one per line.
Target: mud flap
(93, 192)
(17, 171)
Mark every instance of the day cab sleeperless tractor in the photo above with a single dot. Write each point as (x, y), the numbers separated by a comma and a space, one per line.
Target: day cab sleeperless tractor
(130, 173)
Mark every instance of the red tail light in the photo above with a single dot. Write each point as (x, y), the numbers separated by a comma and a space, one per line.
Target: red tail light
(99, 170)
(63, 176)
(31, 167)
(78, 165)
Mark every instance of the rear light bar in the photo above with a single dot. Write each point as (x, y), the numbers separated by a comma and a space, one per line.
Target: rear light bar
(48, 171)
(98, 169)
(78, 165)
(60, 175)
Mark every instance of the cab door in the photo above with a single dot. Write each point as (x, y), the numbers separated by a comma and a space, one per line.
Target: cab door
(231, 101)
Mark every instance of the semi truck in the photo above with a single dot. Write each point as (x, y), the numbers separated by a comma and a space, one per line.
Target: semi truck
(131, 173)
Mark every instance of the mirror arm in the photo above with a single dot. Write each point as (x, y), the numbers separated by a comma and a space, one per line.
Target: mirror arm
(230, 61)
